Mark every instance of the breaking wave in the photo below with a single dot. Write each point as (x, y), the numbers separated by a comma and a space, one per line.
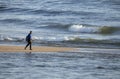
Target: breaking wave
(78, 28)
(66, 40)
(93, 29)
(83, 29)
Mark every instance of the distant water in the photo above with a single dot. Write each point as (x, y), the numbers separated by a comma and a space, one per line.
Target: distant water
(74, 65)
(61, 22)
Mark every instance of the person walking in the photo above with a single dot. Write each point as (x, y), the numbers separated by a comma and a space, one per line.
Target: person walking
(29, 41)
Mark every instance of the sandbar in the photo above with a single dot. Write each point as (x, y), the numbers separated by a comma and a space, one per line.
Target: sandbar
(35, 49)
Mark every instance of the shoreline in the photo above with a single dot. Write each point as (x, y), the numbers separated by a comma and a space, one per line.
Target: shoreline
(7, 48)
(39, 49)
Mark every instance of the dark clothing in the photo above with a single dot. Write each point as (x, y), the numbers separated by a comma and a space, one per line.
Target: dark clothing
(28, 39)
(29, 43)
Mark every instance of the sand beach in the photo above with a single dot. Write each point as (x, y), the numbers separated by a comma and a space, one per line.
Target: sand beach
(34, 49)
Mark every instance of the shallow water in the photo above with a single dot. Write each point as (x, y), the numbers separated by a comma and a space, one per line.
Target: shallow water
(64, 65)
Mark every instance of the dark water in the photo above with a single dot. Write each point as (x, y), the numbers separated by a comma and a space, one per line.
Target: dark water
(74, 65)
(84, 22)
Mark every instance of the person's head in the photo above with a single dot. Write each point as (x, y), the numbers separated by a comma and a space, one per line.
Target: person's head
(30, 32)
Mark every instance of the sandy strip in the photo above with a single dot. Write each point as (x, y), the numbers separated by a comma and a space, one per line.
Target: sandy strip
(35, 49)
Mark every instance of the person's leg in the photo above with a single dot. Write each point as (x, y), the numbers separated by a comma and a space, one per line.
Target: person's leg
(27, 45)
(30, 46)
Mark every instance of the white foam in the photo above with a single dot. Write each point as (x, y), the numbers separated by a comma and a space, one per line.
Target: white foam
(45, 38)
(8, 38)
(35, 38)
(83, 29)
(68, 38)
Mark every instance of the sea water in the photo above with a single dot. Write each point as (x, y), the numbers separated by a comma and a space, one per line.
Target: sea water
(61, 22)
(63, 65)
(91, 25)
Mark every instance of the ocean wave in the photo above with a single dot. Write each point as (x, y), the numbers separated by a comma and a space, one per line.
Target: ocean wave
(46, 12)
(34, 38)
(16, 20)
(12, 20)
(77, 40)
(2, 6)
(82, 29)
(9, 9)
(11, 39)
(79, 28)
(64, 39)
(62, 12)
(114, 2)
(93, 29)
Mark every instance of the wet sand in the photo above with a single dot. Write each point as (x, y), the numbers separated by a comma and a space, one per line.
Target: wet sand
(35, 49)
